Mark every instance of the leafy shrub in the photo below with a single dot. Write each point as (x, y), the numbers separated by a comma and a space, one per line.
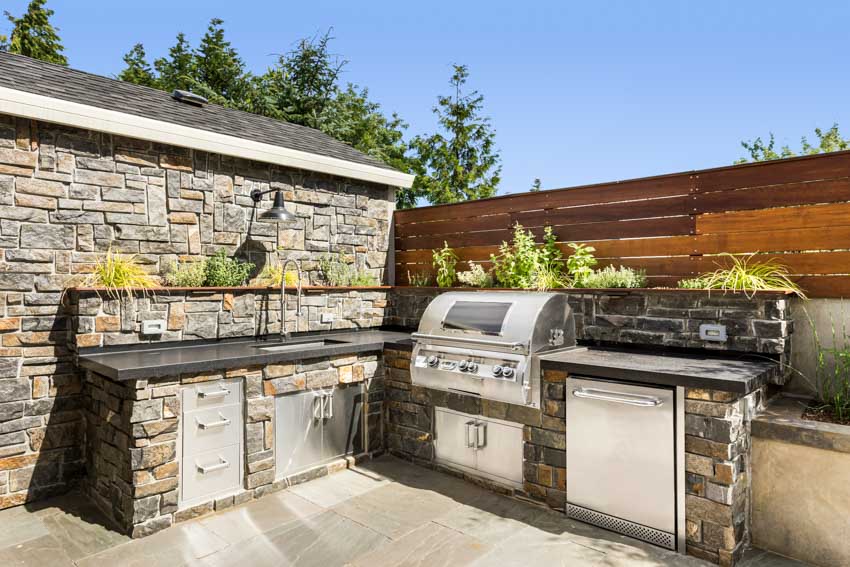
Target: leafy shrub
(186, 274)
(693, 283)
(609, 276)
(270, 276)
(418, 279)
(580, 263)
(742, 274)
(550, 277)
(338, 273)
(221, 271)
(119, 274)
(475, 276)
(444, 261)
(525, 264)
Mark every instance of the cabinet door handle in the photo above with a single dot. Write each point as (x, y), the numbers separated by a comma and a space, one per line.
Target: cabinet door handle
(222, 464)
(318, 407)
(469, 425)
(213, 424)
(329, 406)
(221, 392)
(618, 397)
(480, 435)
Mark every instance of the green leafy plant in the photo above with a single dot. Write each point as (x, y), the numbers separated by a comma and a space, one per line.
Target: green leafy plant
(748, 276)
(271, 276)
(832, 370)
(221, 271)
(444, 261)
(525, 264)
(335, 270)
(186, 274)
(119, 274)
(692, 283)
(475, 276)
(580, 263)
(363, 279)
(609, 276)
(418, 279)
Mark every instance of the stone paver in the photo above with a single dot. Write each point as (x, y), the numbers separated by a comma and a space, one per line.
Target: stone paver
(387, 513)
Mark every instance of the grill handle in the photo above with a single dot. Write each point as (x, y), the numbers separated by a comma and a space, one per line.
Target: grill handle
(468, 340)
(617, 397)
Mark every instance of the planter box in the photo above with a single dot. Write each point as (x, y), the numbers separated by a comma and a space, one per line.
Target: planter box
(801, 485)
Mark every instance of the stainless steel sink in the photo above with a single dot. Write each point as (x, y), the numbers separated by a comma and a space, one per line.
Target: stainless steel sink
(298, 345)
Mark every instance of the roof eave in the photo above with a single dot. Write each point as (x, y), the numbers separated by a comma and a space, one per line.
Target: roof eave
(49, 109)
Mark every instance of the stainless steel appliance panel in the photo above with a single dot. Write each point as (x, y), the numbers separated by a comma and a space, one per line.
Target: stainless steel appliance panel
(621, 457)
(499, 449)
(208, 474)
(453, 443)
(298, 431)
(208, 429)
(342, 419)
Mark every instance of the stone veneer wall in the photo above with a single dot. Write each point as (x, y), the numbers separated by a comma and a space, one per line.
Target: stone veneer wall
(717, 450)
(67, 195)
(103, 321)
(659, 318)
(132, 428)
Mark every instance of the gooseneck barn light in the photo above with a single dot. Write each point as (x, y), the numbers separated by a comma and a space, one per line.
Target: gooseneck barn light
(278, 212)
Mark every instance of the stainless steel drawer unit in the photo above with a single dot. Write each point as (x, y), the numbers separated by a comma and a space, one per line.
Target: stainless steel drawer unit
(625, 459)
(317, 426)
(487, 343)
(210, 441)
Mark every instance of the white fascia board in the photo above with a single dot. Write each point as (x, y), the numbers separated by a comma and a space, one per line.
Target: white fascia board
(49, 109)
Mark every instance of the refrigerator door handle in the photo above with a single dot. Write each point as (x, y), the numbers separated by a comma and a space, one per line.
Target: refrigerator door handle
(618, 397)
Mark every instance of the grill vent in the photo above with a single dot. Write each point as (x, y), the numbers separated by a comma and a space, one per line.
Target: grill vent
(631, 529)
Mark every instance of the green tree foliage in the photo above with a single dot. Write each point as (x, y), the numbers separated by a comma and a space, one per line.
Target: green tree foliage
(463, 164)
(218, 70)
(34, 36)
(177, 71)
(827, 141)
(535, 185)
(138, 70)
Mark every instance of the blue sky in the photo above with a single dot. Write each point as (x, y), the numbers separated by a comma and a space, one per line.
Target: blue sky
(579, 92)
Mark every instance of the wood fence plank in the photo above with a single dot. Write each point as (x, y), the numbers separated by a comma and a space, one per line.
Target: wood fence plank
(807, 193)
(806, 216)
(778, 172)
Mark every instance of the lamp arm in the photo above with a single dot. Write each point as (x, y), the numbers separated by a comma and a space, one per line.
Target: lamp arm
(257, 195)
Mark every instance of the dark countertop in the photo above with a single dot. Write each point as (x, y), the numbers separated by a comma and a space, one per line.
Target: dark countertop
(729, 373)
(151, 360)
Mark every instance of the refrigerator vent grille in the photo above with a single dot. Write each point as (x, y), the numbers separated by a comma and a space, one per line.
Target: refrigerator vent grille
(631, 529)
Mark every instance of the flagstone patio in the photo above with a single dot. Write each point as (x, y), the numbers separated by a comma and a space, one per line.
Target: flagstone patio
(385, 513)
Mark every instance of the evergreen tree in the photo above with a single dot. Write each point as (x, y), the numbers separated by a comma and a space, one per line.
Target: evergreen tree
(219, 72)
(34, 36)
(177, 71)
(535, 185)
(463, 164)
(138, 70)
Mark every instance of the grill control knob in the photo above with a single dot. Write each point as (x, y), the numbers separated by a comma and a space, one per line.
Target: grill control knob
(432, 360)
(497, 371)
(472, 367)
(463, 365)
(507, 371)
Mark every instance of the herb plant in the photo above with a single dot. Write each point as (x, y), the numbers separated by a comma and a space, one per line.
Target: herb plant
(580, 263)
(186, 274)
(271, 274)
(609, 276)
(221, 271)
(525, 264)
(833, 370)
(338, 273)
(475, 276)
(418, 279)
(444, 261)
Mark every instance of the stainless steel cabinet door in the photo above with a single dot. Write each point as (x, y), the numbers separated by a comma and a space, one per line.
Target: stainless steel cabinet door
(298, 432)
(621, 451)
(454, 438)
(343, 416)
(499, 449)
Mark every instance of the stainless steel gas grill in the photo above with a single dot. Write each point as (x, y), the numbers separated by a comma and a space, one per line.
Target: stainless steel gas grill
(486, 343)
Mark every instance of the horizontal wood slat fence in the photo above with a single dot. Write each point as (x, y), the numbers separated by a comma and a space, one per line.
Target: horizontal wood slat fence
(794, 210)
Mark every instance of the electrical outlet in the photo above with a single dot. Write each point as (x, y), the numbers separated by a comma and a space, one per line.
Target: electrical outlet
(153, 327)
(327, 318)
(715, 333)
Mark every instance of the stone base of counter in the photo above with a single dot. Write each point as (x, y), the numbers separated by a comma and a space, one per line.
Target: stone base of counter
(717, 450)
(133, 430)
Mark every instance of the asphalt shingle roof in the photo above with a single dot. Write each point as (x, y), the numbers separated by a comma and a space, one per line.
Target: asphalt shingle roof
(41, 78)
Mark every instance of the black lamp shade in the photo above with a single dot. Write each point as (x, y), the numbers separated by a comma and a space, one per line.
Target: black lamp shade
(278, 212)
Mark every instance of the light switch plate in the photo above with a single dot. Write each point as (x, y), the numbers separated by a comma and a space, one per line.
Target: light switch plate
(153, 327)
(327, 318)
(708, 332)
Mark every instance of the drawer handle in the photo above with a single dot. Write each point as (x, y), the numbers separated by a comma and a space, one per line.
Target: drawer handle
(212, 394)
(617, 397)
(213, 424)
(222, 464)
